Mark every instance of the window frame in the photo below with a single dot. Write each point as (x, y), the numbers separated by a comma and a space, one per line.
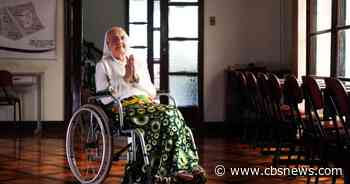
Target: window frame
(163, 61)
(334, 31)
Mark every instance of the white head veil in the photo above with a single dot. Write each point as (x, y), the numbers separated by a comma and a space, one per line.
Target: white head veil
(107, 54)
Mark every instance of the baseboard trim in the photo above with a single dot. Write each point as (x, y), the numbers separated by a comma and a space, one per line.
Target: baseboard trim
(207, 127)
(213, 124)
(216, 128)
(32, 124)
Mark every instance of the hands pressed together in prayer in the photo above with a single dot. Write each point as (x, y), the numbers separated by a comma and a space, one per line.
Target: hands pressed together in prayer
(130, 75)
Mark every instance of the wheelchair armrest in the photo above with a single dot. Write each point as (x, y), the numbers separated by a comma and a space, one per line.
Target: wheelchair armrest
(103, 93)
(167, 95)
(117, 101)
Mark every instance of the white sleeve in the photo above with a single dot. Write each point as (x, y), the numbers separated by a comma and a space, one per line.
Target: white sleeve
(101, 81)
(100, 77)
(145, 82)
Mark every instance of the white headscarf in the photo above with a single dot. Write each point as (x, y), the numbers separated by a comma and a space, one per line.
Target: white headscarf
(107, 54)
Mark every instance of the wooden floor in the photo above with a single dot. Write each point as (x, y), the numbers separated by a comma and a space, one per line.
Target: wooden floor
(28, 158)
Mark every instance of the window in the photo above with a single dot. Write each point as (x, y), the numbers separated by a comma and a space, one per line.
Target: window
(320, 37)
(329, 38)
(167, 35)
(343, 38)
(138, 25)
(301, 19)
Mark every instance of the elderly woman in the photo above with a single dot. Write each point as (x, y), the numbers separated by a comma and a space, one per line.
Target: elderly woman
(173, 158)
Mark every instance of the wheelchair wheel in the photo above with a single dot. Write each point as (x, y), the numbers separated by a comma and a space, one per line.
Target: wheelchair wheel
(89, 144)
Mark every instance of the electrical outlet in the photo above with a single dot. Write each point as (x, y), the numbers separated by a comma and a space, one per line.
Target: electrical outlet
(212, 20)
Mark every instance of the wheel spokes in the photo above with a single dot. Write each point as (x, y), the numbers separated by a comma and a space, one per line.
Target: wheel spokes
(87, 150)
(88, 144)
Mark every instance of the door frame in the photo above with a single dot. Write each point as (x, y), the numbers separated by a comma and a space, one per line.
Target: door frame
(72, 56)
(165, 55)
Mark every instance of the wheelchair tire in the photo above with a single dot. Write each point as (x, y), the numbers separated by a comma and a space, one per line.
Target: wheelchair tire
(89, 144)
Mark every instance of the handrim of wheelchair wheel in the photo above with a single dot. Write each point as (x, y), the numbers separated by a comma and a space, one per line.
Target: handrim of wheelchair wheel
(89, 145)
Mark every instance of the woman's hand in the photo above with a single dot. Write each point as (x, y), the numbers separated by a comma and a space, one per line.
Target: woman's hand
(130, 70)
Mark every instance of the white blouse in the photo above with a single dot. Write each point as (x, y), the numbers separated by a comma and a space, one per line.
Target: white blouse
(121, 88)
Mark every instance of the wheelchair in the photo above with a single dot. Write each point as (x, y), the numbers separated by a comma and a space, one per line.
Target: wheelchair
(90, 146)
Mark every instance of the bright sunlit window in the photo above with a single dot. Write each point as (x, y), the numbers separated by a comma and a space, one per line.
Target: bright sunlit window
(325, 35)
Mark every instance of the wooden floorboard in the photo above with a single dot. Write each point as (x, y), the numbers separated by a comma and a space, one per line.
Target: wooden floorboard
(28, 158)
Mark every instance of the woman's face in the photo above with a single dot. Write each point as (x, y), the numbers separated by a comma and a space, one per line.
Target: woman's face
(117, 40)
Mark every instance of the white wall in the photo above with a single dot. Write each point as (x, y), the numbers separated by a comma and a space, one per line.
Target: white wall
(245, 31)
(98, 16)
(52, 88)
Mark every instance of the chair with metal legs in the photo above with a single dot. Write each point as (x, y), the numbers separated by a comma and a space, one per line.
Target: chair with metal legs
(7, 98)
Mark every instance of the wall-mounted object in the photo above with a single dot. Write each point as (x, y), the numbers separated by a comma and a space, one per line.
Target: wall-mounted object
(212, 20)
(28, 29)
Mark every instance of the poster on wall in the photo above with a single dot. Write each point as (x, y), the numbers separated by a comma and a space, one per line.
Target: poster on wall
(28, 29)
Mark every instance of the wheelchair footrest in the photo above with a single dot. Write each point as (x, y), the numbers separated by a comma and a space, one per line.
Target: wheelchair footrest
(117, 155)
